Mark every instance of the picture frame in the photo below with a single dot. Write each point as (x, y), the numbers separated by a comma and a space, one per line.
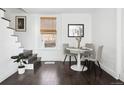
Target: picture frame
(20, 23)
(75, 30)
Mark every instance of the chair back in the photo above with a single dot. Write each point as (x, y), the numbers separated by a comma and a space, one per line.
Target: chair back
(64, 48)
(89, 45)
(99, 53)
(93, 52)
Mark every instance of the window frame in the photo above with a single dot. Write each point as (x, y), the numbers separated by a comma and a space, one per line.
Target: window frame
(56, 44)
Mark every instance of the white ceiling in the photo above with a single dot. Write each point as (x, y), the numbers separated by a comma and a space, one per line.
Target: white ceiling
(50, 10)
(14, 10)
(58, 10)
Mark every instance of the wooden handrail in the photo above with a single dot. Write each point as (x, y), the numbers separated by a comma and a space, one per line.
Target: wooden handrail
(6, 19)
(2, 9)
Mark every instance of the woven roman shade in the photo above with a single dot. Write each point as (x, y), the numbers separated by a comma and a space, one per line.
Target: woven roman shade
(48, 25)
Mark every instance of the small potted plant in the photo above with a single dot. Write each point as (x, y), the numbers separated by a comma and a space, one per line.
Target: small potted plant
(20, 59)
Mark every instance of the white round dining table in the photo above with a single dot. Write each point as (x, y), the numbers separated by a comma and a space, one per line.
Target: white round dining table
(78, 51)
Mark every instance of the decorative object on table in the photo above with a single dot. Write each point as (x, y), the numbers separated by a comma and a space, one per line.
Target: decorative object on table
(79, 36)
(20, 59)
(75, 30)
(79, 41)
(20, 23)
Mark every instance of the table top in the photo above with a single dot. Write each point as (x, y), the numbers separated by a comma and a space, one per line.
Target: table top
(82, 48)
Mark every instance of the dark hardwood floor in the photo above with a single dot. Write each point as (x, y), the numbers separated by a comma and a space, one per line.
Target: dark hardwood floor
(60, 74)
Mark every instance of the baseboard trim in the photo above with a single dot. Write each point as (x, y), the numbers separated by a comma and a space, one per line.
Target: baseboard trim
(7, 76)
(121, 78)
(109, 71)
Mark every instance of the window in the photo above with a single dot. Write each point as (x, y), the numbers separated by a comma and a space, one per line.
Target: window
(48, 31)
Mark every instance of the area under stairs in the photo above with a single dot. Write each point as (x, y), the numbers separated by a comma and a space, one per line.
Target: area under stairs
(10, 46)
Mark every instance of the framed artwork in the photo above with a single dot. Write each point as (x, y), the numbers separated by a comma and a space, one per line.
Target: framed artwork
(20, 23)
(75, 30)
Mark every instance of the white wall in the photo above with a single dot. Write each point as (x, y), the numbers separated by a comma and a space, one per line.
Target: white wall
(122, 66)
(31, 39)
(76, 19)
(26, 38)
(104, 32)
(8, 47)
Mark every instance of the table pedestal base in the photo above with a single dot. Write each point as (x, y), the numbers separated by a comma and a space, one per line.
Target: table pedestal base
(78, 68)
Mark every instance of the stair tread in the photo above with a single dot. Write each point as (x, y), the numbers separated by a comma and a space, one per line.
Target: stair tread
(34, 61)
(21, 47)
(6, 19)
(31, 58)
(15, 35)
(17, 41)
(12, 28)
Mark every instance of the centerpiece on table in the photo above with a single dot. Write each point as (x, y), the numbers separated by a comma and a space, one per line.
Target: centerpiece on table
(78, 37)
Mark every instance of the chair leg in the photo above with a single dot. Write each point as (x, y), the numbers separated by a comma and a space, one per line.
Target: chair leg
(84, 65)
(89, 68)
(94, 69)
(89, 65)
(100, 68)
(69, 60)
(75, 58)
(65, 59)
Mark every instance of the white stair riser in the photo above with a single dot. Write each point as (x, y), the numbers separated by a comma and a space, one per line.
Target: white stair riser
(29, 66)
(5, 23)
(20, 50)
(5, 33)
(18, 44)
(11, 45)
(10, 52)
(9, 40)
(11, 31)
(14, 38)
(1, 13)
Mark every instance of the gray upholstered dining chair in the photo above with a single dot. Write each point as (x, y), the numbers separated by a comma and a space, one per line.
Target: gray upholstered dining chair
(68, 53)
(86, 54)
(95, 57)
(90, 53)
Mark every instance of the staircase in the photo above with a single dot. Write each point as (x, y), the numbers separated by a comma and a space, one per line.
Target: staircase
(10, 46)
(32, 60)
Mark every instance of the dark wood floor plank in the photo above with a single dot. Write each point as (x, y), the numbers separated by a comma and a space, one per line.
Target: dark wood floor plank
(60, 74)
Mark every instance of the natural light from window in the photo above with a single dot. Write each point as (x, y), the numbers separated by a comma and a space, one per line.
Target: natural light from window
(48, 31)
